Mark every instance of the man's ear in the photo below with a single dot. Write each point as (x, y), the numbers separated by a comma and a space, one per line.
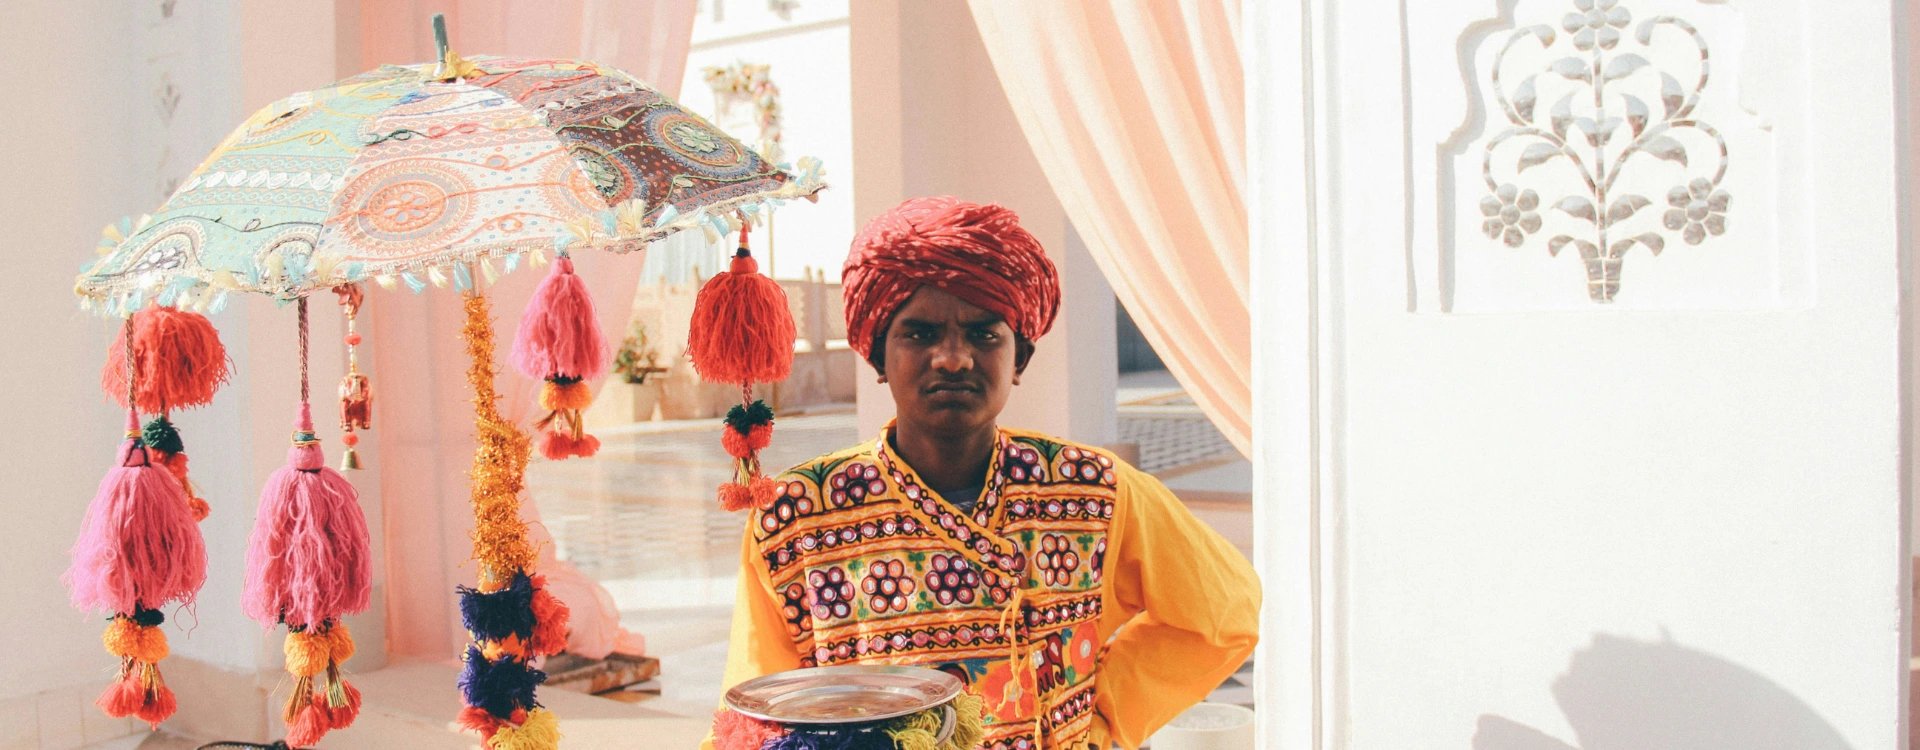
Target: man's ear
(1022, 354)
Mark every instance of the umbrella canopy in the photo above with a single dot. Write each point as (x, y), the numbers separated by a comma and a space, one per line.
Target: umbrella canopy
(414, 174)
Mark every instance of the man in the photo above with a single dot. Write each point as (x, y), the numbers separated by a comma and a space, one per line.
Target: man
(1070, 591)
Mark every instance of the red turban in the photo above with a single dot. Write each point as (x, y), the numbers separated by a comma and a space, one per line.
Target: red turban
(976, 252)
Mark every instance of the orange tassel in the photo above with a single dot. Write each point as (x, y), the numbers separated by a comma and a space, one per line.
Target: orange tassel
(742, 330)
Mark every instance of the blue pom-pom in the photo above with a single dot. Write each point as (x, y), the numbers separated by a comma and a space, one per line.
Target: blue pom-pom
(492, 616)
(498, 687)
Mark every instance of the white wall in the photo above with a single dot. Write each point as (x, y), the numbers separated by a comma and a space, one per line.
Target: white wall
(1587, 528)
(86, 140)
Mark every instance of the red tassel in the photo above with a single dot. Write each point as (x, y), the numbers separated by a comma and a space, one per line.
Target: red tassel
(550, 616)
(122, 698)
(307, 727)
(159, 703)
(559, 445)
(742, 330)
(341, 716)
(178, 358)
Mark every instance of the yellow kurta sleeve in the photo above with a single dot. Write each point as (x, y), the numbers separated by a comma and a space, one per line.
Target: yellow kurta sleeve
(759, 644)
(1194, 604)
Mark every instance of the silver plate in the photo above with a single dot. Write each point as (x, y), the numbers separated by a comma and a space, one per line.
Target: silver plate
(842, 695)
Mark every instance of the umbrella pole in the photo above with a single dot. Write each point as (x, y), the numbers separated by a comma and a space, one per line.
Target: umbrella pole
(511, 618)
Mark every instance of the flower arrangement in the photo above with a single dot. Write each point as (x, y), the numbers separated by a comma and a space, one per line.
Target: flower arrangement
(636, 359)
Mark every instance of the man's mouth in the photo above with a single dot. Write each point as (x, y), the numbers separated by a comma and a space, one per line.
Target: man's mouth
(951, 388)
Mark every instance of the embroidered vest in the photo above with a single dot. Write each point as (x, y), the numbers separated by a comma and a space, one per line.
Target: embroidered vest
(874, 568)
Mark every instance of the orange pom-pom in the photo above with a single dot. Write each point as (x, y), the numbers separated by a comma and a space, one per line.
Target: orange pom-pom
(735, 443)
(126, 638)
(742, 330)
(550, 617)
(764, 491)
(735, 496)
(307, 653)
(339, 642)
(573, 396)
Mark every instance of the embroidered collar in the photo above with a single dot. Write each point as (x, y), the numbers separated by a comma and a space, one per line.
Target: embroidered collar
(977, 535)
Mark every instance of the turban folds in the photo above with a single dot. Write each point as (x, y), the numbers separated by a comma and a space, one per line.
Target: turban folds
(977, 252)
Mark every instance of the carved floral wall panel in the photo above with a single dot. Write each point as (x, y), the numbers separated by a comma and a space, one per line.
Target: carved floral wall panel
(1602, 154)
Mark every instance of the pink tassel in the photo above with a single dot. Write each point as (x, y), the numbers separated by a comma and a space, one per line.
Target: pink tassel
(139, 546)
(559, 334)
(308, 557)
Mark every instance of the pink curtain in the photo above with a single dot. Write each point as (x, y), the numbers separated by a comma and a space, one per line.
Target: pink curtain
(1135, 111)
(424, 431)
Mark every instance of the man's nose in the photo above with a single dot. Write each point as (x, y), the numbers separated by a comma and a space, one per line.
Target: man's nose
(951, 355)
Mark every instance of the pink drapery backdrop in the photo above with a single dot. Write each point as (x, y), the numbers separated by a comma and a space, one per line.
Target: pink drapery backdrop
(423, 436)
(1136, 113)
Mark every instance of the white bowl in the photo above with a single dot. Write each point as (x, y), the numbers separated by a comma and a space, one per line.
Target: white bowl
(1207, 726)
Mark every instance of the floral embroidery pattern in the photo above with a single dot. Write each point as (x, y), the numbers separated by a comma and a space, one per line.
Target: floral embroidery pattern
(832, 593)
(1601, 126)
(887, 586)
(952, 580)
(1057, 561)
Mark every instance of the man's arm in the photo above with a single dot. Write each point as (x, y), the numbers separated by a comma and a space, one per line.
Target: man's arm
(1195, 603)
(759, 644)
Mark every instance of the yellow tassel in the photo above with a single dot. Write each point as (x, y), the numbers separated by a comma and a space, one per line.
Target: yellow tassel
(541, 731)
(914, 738)
(969, 723)
(307, 653)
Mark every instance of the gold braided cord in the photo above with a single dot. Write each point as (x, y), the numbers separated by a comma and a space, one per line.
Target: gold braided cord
(499, 462)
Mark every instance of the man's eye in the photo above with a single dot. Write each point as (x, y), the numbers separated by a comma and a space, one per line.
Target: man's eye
(986, 336)
(919, 335)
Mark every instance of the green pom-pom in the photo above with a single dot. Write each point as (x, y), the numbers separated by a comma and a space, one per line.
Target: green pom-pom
(743, 417)
(161, 435)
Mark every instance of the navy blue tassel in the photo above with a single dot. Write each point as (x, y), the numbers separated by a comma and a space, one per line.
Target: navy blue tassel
(839, 738)
(499, 687)
(492, 616)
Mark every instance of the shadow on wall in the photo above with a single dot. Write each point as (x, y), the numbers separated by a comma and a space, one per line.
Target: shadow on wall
(1622, 694)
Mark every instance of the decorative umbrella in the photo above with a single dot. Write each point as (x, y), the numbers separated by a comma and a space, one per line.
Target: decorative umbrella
(448, 174)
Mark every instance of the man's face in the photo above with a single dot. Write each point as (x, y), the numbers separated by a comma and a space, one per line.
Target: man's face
(950, 365)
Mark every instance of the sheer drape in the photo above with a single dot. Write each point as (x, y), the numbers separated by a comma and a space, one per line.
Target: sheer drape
(425, 440)
(1135, 111)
